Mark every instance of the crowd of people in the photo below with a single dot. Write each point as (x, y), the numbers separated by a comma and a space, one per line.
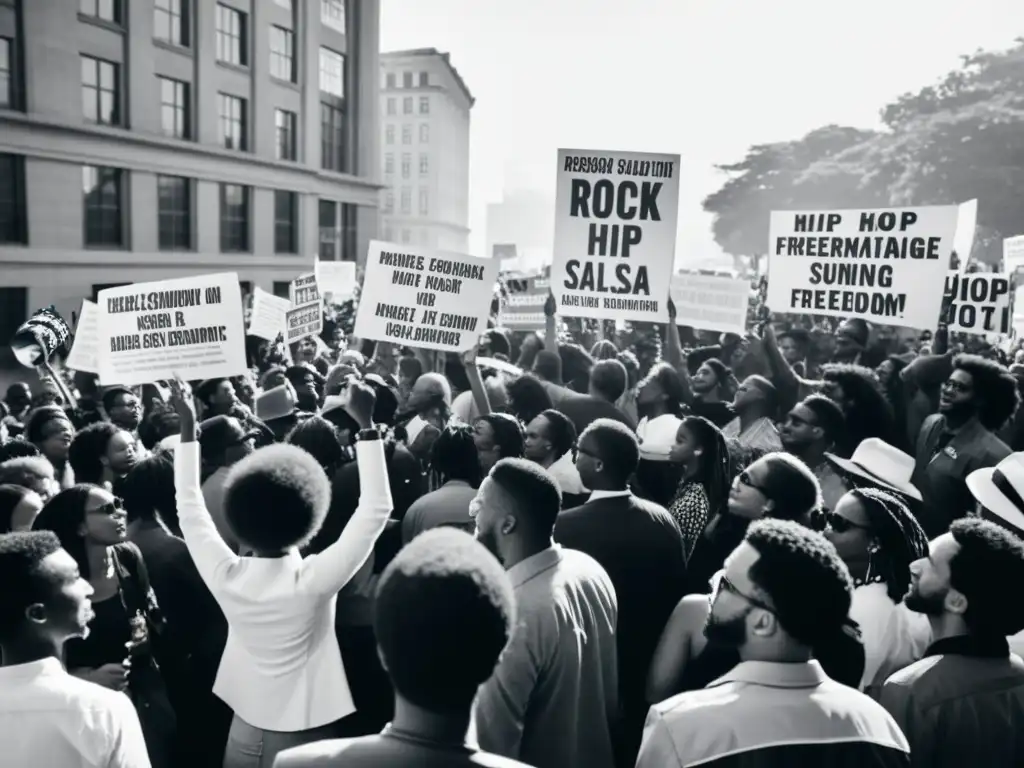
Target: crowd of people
(797, 548)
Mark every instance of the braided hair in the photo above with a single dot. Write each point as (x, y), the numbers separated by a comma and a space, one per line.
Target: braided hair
(715, 465)
(901, 539)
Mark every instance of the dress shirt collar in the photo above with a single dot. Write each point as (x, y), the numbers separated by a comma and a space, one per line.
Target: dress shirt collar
(595, 495)
(773, 674)
(971, 645)
(23, 673)
(534, 565)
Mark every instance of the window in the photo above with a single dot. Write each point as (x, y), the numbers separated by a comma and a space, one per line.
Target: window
(286, 226)
(101, 194)
(407, 105)
(424, 202)
(407, 134)
(232, 122)
(100, 91)
(332, 138)
(424, 79)
(332, 73)
(389, 134)
(406, 200)
(174, 213)
(280, 288)
(407, 79)
(231, 38)
(328, 222)
(391, 105)
(284, 127)
(389, 163)
(348, 232)
(13, 227)
(424, 105)
(174, 108)
(389, 79)
(282, 54)
(332, 14)
(406, 236)
(424, 164)
(406, 164)
(6, 76)
(107, 10)
(234, 218)
(424, 133)
(170, 21)
(389, 201)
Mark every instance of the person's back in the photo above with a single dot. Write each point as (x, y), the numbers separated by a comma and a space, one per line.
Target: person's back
(584, 410)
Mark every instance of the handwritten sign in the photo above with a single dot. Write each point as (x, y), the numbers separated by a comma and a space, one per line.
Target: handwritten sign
(978, 303)
(888, 266)
(711, 302)
(1013, 254)
(191, 326)
(615, 234)
(303, 322)
(523, 308)
(84, 355)
(267, 318)
(419, 297)
(336, 277)
(304, 290)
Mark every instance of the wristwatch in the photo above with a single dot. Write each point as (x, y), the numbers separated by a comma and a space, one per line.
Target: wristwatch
(368, 434)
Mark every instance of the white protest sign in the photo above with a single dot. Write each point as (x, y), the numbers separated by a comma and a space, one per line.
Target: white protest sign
(267, 318)
(303, 290)
(978, 303)
(711, 302)
(84, 351)
(966, 224)
(615, 234)
(1013, 253)
(523, 308)
(884, 265)
(336, 277)
(423, 298)
(303, 322)
(191, 326)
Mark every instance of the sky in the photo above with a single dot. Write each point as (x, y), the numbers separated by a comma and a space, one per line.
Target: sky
(704, 79)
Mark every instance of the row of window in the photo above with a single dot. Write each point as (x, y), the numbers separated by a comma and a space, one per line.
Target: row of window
(405, 199)
(389, 133)
(391, 80)
(171, 22)
(392, 105)
(404, 235)
(389, 164)
(104, 193)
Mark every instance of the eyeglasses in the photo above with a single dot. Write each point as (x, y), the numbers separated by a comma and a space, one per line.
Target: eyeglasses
(721, 581)
(745, 479)
(956, 386)
(840, 524)
(114, 507)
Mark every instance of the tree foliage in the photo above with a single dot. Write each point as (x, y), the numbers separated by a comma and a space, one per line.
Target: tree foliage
(962, 138)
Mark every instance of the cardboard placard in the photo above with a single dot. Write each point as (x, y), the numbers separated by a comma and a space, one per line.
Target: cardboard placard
(302, 322)
(523, 308)
(978, 303)
(711, 302)
(267, 318)
(84, 355)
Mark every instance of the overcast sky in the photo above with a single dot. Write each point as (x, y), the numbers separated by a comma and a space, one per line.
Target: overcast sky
(701, 78)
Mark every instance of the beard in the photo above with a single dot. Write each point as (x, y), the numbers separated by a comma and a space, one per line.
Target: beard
(729, 633)
(489, 540)
(929, 605)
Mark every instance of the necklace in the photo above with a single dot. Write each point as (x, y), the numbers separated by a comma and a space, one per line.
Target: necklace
(877, 579)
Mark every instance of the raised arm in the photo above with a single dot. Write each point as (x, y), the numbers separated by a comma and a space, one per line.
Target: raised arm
(329, 571)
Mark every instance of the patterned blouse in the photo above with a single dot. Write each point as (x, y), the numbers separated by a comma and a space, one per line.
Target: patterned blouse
(690, 509)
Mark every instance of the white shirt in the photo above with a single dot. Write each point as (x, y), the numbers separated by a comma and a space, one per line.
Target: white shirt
(49, 718)
(595, 495)
(566, 475)
(281, 669)
(894, 636)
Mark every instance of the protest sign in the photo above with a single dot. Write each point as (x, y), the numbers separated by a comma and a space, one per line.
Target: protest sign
(977, 303)
(336, 277)
(303, 290)
(40, 337)
(711, 302)
(885, 265)
(966, 224)
(191, 326)
(615, 234)
(1013, 254)
(303, 322)
(523, 308)
(267, 318)
(84, 355)
(423, 298)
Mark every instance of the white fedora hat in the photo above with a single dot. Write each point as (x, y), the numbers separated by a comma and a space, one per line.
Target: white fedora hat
(1000, 489)
(882, 464)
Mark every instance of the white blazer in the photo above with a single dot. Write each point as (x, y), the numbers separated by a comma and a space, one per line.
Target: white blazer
(282, 669)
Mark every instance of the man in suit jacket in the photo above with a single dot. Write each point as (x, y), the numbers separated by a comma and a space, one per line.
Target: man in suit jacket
(639, 545)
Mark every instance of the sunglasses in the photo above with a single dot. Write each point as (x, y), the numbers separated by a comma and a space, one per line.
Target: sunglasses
(721, 582)
(840, 524)
(110, 508)
(745, 479)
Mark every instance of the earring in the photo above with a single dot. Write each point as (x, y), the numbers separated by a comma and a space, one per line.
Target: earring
(869, 575)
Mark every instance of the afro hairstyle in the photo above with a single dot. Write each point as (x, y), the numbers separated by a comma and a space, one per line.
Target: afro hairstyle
(276, 498)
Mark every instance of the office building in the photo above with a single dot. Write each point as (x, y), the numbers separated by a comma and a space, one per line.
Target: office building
(424, 112)
(152, 139)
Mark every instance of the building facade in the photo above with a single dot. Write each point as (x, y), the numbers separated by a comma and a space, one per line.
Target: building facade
(153, 139)
(424, 109)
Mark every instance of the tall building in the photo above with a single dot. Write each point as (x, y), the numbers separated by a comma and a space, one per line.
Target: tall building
(152, 139)
(425, 150)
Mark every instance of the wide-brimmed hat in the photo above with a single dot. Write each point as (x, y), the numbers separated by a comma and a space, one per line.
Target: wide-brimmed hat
(882, 464)
(277, 403)
(1000, 489)
(218, 433)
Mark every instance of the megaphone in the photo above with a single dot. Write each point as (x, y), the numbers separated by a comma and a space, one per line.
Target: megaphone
(40, 337)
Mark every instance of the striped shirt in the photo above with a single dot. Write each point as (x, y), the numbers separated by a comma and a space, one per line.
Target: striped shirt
(772, 714)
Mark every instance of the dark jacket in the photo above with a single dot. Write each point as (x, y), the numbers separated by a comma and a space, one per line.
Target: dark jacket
(584, 410)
